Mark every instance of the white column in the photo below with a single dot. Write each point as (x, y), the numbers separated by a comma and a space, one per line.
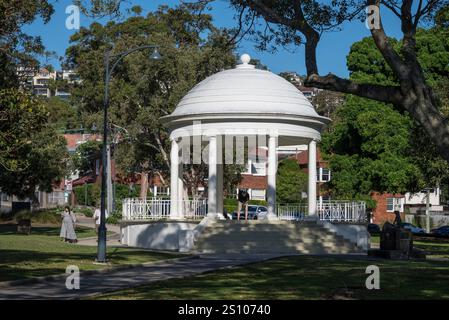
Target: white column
(272, 168)
(180, 192)
(311, 196)
(220, 188)
(212, 182)
(174, 174)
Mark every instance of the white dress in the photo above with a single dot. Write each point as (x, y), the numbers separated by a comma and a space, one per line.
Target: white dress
(68, 226)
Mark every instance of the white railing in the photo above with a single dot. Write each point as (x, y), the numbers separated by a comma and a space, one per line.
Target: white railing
(291, 212)
(194, 208)
(342, 211)
(333, 211)
(156, 209)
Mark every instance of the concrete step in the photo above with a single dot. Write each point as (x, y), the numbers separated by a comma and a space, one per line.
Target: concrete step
(258, 236)
(264, 236)
(213, 243)
(320, 251)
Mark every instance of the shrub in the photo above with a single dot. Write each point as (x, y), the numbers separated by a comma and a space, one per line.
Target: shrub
(114, 218)
(88, 194)
(6, 216)
(93, 191)
(258, 202)
(88, 212)
(230, 204)
(47, 216)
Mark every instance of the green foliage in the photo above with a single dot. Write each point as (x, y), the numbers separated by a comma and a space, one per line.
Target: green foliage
(32, 153)
(373, 147)
(47, 216)
(63, 116)
(115, 217)
(123, 191)
(85, 155)
(258, 202)
(368, 150)
(291, 182)
(141, 90)
(88, 212)
(18, 48)
(93, 194)
(231, 204)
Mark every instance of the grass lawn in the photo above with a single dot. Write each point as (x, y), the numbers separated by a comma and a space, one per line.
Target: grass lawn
(305, 277)
(43, 253)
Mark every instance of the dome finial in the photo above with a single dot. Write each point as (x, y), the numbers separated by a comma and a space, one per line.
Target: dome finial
(245, 58)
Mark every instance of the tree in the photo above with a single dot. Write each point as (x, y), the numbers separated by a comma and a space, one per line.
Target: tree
(17, 49)
(32, 154)
(62, 116)
(327, 102)
(294, 22)
(291, 182)
(375, 146)
(85, 155)
(368, 150)
(141, 90)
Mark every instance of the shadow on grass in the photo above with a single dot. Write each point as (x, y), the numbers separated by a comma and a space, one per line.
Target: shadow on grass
(19, 264)
(51, 231)
(304, 277)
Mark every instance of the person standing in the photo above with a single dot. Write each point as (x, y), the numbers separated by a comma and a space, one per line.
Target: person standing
(68, 233)
(243, 202)
(97, 217)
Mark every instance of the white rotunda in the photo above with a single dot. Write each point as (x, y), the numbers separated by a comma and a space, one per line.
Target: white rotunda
(216, 123)
(242, 103)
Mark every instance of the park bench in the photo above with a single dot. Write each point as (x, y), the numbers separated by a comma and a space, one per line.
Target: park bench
(24, 226)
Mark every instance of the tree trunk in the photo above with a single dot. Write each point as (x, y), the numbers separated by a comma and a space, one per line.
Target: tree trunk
(422, 106)
(143, 185)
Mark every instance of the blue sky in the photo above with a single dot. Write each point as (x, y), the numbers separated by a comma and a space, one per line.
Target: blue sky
(331, 54)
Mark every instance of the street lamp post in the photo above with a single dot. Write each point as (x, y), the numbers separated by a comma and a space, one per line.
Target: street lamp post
(109, 68)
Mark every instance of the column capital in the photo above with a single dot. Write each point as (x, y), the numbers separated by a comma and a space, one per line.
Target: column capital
(211, 136)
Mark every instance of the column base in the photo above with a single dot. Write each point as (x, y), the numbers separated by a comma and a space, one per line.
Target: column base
(313, 217)
(271, 217)
(216, 216)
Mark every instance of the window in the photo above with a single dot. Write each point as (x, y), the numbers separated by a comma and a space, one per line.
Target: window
(395, 203)
(323, 175)
(258, 194)
(258, 168)
(160, 190)
(5, 197)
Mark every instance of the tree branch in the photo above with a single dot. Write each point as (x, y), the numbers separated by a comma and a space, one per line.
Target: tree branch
(390, 55)
(387, 94)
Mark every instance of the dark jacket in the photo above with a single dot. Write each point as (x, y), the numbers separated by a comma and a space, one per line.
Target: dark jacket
(243, 196)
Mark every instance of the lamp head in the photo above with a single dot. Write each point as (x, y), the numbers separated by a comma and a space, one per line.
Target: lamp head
(155, 55)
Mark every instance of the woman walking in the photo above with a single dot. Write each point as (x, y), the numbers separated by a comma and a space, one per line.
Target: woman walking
(68, 226)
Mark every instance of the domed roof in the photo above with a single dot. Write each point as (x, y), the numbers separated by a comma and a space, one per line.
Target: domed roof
(245, 90)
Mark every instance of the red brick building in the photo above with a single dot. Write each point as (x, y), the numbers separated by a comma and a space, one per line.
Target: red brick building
(386, 204)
